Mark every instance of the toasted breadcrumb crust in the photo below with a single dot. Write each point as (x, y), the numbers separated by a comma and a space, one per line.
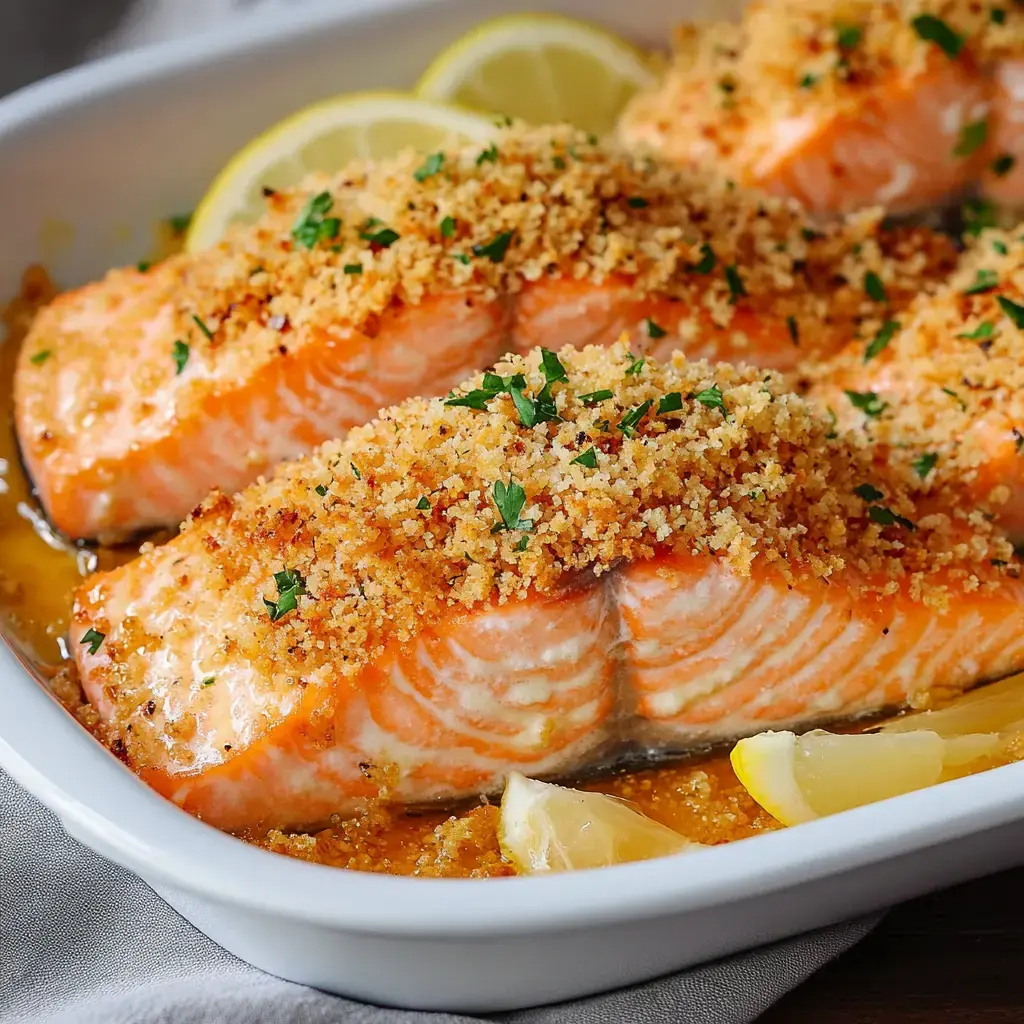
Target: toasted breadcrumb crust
(566, 207)
(399, 522)
(957, 362)
(787, 58)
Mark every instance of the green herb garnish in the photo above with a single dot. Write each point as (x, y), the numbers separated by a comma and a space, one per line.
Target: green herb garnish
(794, 329)
(489, 155)
(868, 402)
(142, 266)
(208, 681)
(206, 330)
(385, 238)
(587, 458)
(809, 81)
(874, 287)
(40, 357)
(637, 202)
(431, 166)
(867, 492)
(180, 222)
(984, 281)
(290, 586)
(321, 489)
(423, 504)
(672, 402)
(959, 401)
(179, 353)
(881, 340)
(462, 258)
(313, 224)
(935, 30)
(596, 396)
(925, 463)
(1018, 440)
(711, 397)
(495, 249)
(886, 517)
(1012, 309)
(1003, 164)
(984, 330)
(632, 417)
(972, 138)
(636, 364)
(552, 366)
(735, 282)
(848, 36)
(532, 411)
(509, 500)
(448, 227)
(353, 268)
(997, 16)
(93, 638)
(708, 260)
(653, 329)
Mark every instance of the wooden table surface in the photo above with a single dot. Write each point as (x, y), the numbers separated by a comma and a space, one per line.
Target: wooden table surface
(956, 957)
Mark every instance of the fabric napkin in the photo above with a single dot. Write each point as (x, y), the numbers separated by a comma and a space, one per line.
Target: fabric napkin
(85, 942)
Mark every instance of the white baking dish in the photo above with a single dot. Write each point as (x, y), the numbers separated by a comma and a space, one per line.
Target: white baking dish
(87, 162)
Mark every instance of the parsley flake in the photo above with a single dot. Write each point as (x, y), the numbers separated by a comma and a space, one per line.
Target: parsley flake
(587, 458)
(834, 420)
(40, 357)
(637, 202)
(179, 353)
(495, 249)
(735, 282)
(353, 268)
(972, 138)
(448, 227)
(672, 402)
(524, 542)
(874, 287)
(867, 492)
(321, 489)
(552, 366)
(1000, 247)
(206, 330)
(1012, 309)
(632, 417)
(313, 225)
(510, 500)
(355, 471)
(959, 401)
(423, 504)
(290, 586)
(489, 155)
(180, 222)
(142, 266)
(385, 238)
(935, 30)
(712, 398)
(984, 281)
(881, 340)
(636, 364)
(997, 16)
(493, 385)
(794, 329)
(808, 81)
(708, 260)
(532, 411)
(984, 330)
(596, 396)
(462, 257)
(654, 330)
(431, 166)
(848, 36)
(868, 402)
(94, 638)
(977, 214)
(208, 681)
(925, 463)
(1018, 440)
(558, 163)
(886, 517)
(1003, 164)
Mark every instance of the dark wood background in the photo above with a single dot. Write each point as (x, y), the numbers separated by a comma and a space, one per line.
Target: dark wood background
(956, 957)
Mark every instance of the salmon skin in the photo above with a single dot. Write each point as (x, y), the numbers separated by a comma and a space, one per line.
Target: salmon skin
(567, 557)
(356, 291)
(844, 105)
(941, 392)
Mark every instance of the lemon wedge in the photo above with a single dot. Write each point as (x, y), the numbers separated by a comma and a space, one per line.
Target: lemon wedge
(799, 778)
(543, 827)
(325, 137)
(540, 68)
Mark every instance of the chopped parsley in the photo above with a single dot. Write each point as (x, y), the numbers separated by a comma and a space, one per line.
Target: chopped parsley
(952, 394)
(984, 281)
(179, 222)
(711, 397)
(321, 489)
(868, 402)
(510, 500)
(881, 340)
(997, 15)
(493, 385)
(431, 166)
(313, 224)
(977, 214)
(40, 357)
(972, 138)
(496, 248)
(423, 504)
(353, 268)
(208, 681)
(925, 463)
(834, 420)
(142, 266)
(735, 282)
(355, 471)
(874, 287)
(93, 638)
(488, 156)
(596, 396)
(672, 402)
(886, 517)
(179, 353)
(632, 417)
(587, 458)
(524, 543)
(999, 247)
(809, 81)
(552, 366)
(654, 330)
(1018, 440)
(462, 257)
(868, 492)
(385, 238)
(1012, 309)
(558, 163)
(935, 30)
(637, 202)
(1003, 164)
(984, 330)
(532, 411)
(206, 330)
(290, 586)
(448, 227)
(848, 36)
(636, 364)
(708, 260)
(794, 329)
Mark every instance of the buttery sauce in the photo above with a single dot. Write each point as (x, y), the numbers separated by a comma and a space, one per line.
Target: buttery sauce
(39, 572)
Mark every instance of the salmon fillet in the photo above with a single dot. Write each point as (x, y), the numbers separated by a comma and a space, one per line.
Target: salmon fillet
(844, 105)
(357, 291)
(569, 558)
(943, 399)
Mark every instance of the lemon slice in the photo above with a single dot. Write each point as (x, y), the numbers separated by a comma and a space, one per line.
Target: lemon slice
(325, 137)
(799, 778)
(542, 69)
(550, 828)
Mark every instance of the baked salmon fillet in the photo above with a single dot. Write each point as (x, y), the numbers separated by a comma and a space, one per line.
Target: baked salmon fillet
(844, 104)
(571, 556)
(940, 390)
(357, 291)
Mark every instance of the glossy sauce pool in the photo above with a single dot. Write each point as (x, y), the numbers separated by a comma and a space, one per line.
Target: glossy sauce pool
(38, 575)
